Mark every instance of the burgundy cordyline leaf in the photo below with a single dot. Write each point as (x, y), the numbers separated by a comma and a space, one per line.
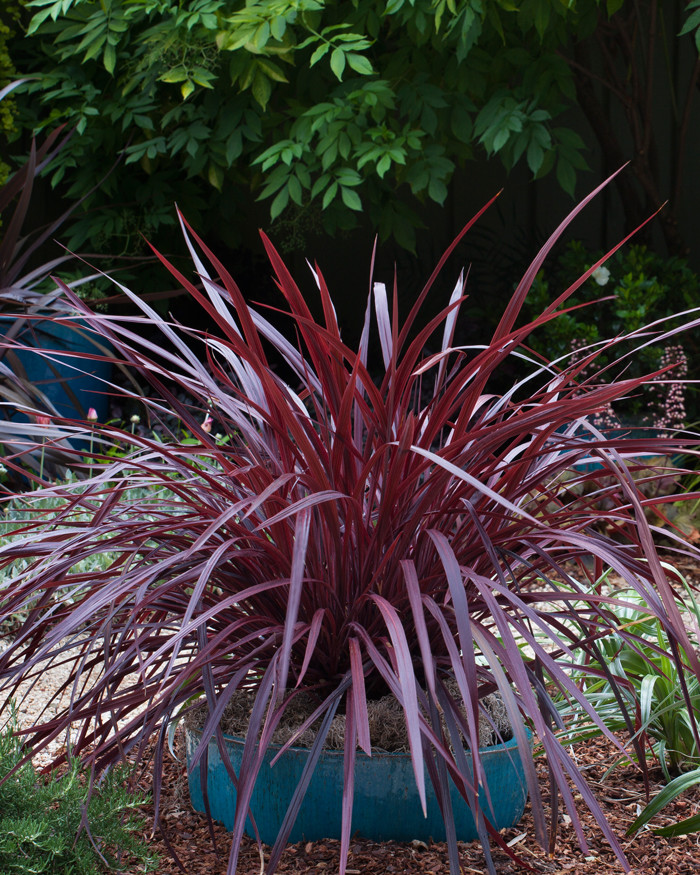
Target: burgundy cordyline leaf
(407, 680)
(351, 741)
(352, 534)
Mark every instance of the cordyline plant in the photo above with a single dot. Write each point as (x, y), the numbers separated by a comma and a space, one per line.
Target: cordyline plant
(413, 535)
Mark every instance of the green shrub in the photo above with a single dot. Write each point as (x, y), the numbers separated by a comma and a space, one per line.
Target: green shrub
(9, 16)
(321, 109)
(634, 288)
(40, 820)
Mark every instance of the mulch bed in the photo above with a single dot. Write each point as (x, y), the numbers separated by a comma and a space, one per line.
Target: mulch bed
(620, 795)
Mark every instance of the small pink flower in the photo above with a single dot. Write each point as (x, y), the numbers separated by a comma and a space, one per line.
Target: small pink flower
(43, 420)
(207, 424)
(92, 415)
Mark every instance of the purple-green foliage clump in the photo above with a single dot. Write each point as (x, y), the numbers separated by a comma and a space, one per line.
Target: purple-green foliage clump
(346, 538)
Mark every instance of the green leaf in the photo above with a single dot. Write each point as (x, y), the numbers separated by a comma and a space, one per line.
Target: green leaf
(329, 155)
(569, 138)
(566, 176)
(383, 165)
(262, 35)
(461, 124)
(330, 194)
(691, 24)
(351, 198)
(278, 25)
(338, 63)
(95, 48)
(303, 175)
(187, 88)
(276, 180)
(661, 800)
(682, 828)
(177, 74)
(542, 12)
(344, 145)
(279, 203)
(273, 70)
(418, 178)
(360, 64)
(369, 154)
(318, 53)
(216, 176)
(294, 189)
(437, 190)
(320, 184)
(262, 89)
(348, 176)
(614, 5)
(500, 139)
(535, 155)
(37, 21)
(518, 146)
(110, 58)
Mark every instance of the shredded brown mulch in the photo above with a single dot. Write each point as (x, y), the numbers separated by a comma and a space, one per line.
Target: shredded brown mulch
(620, 794)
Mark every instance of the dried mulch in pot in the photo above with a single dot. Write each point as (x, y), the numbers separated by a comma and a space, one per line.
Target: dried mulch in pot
(620, 795)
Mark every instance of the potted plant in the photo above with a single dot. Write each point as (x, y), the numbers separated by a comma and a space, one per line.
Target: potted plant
(344, 529)
(71, 370)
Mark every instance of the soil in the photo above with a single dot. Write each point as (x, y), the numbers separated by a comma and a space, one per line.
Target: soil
(620, 794)
(387, 724)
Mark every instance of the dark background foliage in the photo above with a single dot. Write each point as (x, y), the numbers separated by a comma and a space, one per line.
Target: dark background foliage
(363, 115)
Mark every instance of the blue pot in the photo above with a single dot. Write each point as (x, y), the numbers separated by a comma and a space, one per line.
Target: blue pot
(632, 432)
(84, 378)
(386, 803)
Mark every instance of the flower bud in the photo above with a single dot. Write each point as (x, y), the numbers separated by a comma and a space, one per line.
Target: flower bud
(92, 414)
(207, 424)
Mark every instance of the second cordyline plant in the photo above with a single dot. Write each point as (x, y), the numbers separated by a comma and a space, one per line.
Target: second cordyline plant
(357, 532)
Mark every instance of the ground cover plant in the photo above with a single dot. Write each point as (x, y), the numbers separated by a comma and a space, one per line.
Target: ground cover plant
(358, 530)
(23, 507)
(43, 825)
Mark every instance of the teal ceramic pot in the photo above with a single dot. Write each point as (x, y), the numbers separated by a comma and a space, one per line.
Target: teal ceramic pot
(632, 432)
(85, 390)
(386, 803)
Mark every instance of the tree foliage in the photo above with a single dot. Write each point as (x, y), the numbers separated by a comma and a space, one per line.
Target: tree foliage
(323, 110)
(9, 16)
(318, 108)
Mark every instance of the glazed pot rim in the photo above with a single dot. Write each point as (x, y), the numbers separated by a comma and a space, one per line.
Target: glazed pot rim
(491, 750)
